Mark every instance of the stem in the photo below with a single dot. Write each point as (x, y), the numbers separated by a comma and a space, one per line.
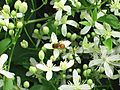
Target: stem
(6, 2)
(37, 20)
(29, 37)
(110, 84)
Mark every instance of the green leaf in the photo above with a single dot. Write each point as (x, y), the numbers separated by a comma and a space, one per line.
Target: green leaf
(108, 43)
(94, 14)
(8, 84)
(4, 44)
(111, 19)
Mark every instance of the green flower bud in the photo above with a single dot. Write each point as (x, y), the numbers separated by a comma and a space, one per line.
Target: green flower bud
(70, 57)
(17, 4)
(45, 30)
(2, 22)
(101, 69)
(73, 37)
(88, 35)
(11, 26)
(70, 70)
(41, 55)
(93, 34)
(88, 71)
(26, 84)
(24, 44)
(6, 9)
(36, 31)
(32, 69)
(19, 24)
(13, 13)
(78, 70)
(68, 35)
(56, 23)
(11, 32)
(85, 73)
(63, 76)
(23, 8)
(85, 66)
(52, 58)
(38, 25)
(89, 82)
(44, 49)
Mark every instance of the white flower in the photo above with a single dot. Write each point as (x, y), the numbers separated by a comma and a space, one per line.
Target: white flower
(65, 65)
(3, 59)
(107, 61)
(48, 68)
(115, 6)
(76, 84)
(60, 6)
(66, 22)
(54, 40)
(105, 30)
(89, 23)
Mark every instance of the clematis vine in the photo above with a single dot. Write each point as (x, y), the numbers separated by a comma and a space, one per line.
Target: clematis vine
(48, 68)
(107, 60)
(60, 6)
(3, 59)
(59, 45)
(76, 83)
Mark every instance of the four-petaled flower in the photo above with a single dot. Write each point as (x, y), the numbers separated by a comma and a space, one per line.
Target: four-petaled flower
(76, 83)
(49, 68)
(54, 41)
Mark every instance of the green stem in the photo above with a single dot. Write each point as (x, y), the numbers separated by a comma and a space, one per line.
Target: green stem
(33, 5)
(29, 36)
(6, 2)
(110, 84)
(37, 20)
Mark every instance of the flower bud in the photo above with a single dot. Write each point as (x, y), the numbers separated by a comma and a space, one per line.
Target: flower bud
(70, 57)
(2, 22)
(63, 76)
(26, 84)
(36, 31)
(88, 35)
(41, 55)
(78, 70)
(44, 49)
(52, 58)
(38, 25)
(101, 69)
(13, 13)
(73, 37)
(6, 9)
(11, 26)
(85, 66)
(24, 44)
(89, 82)
(45, 30)
(68, 35)
(32, 69)
(70, 70)
(19, 24)
(17, 4)
(23, 8)
(11, 32)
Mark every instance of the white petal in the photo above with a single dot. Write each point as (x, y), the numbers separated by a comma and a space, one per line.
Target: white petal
(85, 87)
(95, 62)
(103, 51)
(115, 34)
(66, 43)
(66, 87)
(108, 69)
(7, 74)
(28, 73)
(54, 38)
(18, 81)
(58, 15)
(56, 68)
(56, 53)
(6, 22)
(48, 46)
(99, 26)
(63, 1)
(3, 59)
(72, 23)
(19, 15)
(64, 29)
(49, 63)
(76, 78)
(67, 9)
(85, 30)
(114, 58)
(42, 67)
(49, 75)
(70, 63)
(101, 13)
(33, 61)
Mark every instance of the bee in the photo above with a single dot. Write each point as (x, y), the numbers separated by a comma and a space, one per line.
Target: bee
(59, 45)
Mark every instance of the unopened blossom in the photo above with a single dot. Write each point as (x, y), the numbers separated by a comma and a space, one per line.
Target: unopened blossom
(54, 41)
(49, 68)
(3, 59)
(76, 85)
